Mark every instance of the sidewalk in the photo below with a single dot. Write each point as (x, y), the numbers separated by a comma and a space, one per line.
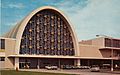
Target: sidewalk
(74, 71)
(51, 71)
(114, 72)
(108, 71)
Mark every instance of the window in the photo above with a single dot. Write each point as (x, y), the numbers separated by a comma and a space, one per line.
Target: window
(2, 59)
(2, 42)
(112, 43)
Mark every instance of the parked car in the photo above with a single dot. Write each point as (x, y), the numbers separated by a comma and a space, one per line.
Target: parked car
(95, 68)
(74, 67)
(51, 67)
(84, 67)
(68, 67)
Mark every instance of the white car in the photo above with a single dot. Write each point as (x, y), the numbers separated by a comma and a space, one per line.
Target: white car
(95, 68)
(51, 67)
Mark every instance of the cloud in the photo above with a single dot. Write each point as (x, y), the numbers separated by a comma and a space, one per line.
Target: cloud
(72, 6)
(12, 23)
(13, 5)
(89, 17)
(0, 4)
(96, 17)
(16, 5)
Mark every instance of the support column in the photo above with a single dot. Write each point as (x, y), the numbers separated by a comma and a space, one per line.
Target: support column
(111, 64)
(88, 62)
(59, 63)
(112, 54)
(16, 63)
(38, 64)
(112, 60)
(77, 62)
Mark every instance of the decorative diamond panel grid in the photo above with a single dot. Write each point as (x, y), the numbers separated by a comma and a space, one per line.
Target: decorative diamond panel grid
(47, 33)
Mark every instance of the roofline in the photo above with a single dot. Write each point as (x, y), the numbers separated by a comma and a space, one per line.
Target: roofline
(99, 38)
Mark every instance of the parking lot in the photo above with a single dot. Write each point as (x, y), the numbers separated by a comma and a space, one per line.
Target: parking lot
(74, 71)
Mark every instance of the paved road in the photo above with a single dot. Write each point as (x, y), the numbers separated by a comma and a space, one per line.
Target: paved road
(78, 72)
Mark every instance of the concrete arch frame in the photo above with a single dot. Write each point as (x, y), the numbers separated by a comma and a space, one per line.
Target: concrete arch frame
(26, 20)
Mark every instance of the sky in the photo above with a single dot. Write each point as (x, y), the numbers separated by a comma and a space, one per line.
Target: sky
(88, 17)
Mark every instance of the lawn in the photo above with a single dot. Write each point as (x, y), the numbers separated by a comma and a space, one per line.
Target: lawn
(13, 72)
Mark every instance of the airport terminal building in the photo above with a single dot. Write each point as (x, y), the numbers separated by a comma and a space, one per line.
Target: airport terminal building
(46, 37)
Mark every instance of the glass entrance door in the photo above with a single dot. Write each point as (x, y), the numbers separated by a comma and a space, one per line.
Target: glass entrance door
(24, 65)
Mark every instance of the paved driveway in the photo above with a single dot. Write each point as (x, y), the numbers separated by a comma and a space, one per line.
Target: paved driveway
(78, 72)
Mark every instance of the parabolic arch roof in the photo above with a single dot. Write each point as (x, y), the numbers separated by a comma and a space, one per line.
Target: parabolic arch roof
(18, 30)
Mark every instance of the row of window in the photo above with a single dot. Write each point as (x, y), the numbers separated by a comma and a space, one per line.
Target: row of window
(112, 43)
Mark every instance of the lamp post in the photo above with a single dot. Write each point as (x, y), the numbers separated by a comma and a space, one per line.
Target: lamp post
(111, 49)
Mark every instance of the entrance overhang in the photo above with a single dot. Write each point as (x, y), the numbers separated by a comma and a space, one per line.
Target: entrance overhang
(43, 56)
(110, 48)
(55, 56)
(2, 55)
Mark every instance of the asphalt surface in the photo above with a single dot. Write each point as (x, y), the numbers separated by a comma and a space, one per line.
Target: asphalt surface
(72, 71)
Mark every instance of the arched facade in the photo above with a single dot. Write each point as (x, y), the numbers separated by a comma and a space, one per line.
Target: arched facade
(46, 31)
